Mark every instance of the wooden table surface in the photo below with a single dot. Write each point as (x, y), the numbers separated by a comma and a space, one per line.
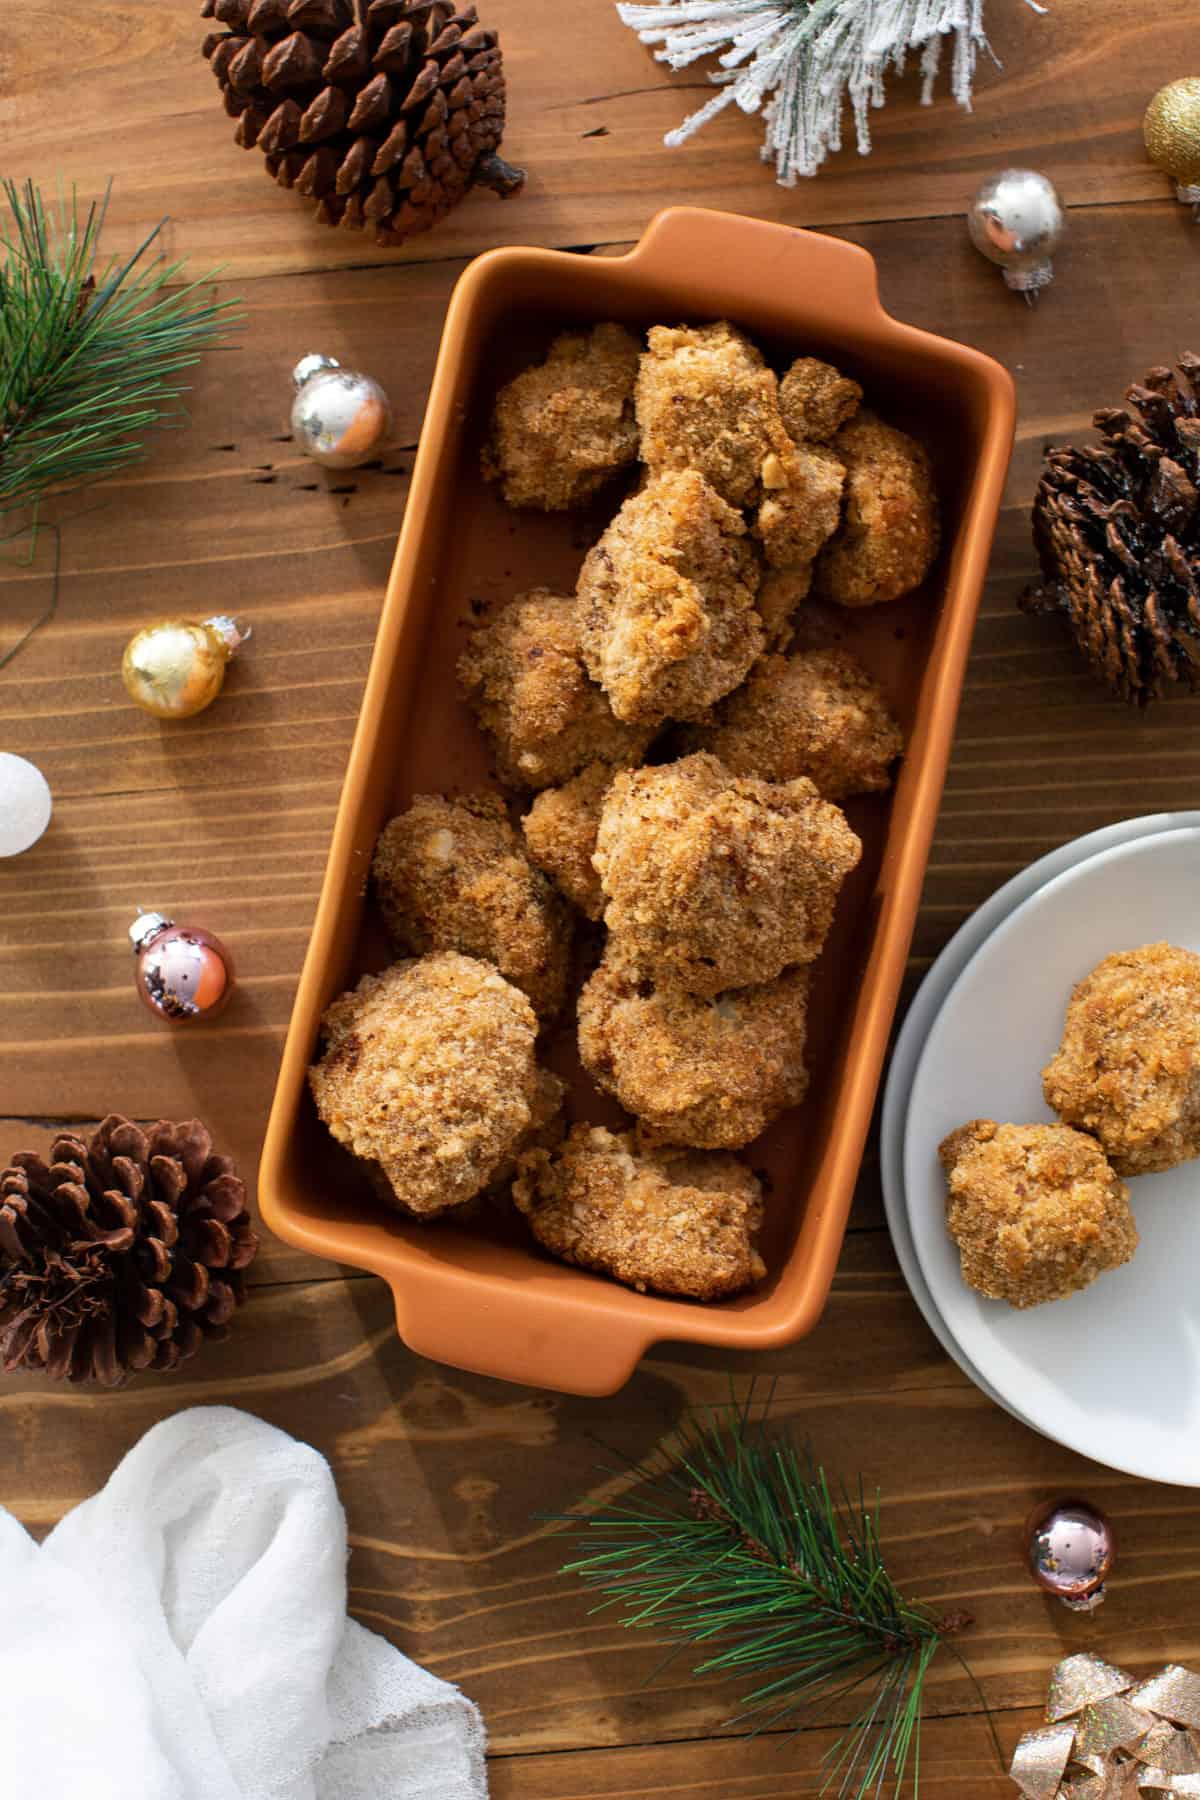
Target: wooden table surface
(226, 821)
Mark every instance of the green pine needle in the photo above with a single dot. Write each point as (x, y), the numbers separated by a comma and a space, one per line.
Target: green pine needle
(90, 357)
(737, 1541)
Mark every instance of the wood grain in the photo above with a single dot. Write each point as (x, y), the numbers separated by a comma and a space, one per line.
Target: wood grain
(1068, 99)
(957, 1759)
(228, 818)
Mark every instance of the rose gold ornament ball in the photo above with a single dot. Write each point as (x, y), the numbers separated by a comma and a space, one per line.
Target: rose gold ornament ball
(183, 973)
(1071, 1549)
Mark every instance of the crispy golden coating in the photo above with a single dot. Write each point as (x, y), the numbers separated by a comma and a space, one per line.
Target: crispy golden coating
(890, 532)
(712, 1073)
(560, 834)
(667, 618)
(522, 673)
(816, 400)
(675, 1221)
(801, 504)
(428, 1075)
(816, 713)
(453, 875)
(1128, 1067)
(707, 401)
(545, 1131)
(561, 428)
(780, 597)
(1035, 1210)
(714, 880)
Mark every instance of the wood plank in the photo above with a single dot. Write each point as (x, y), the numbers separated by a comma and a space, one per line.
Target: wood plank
(1069, 100)
(444, 1476)
(958, 1757)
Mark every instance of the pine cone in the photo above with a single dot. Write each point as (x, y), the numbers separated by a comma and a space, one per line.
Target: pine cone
(1117, 529)
(120, 1254)
(385, 112)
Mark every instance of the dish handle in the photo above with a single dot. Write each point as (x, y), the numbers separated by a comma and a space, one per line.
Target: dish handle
(518, 1336)
(751, 250)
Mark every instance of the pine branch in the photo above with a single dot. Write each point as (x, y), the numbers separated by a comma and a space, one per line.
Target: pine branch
(796, 61)
(738, 1541)
(90, 358)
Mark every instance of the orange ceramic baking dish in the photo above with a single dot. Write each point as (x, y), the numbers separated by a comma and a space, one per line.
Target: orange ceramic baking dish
(479, 1295)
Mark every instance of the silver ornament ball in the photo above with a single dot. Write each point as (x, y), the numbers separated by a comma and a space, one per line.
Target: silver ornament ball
(340, 418)
(1016, 221)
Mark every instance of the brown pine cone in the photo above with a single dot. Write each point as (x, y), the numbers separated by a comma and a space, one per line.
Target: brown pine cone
(1117, 529)
(120, 1254)
(385, 112)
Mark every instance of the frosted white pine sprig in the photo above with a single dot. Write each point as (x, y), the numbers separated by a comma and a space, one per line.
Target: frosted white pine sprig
(796, 61)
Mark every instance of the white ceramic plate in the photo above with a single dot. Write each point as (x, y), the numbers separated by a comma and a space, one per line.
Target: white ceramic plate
(918, 1022)
(1114, 1372)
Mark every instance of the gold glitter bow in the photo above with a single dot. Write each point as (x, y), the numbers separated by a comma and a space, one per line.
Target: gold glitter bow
(1109, 1737)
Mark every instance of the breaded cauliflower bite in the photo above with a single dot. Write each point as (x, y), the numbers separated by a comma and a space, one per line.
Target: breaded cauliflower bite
(710, 1073)
(453, 875)
(714, 880)
(674, 1221)
(1036, 1210)
(560, 835)
(801, 504)
(667, 619)
(816, 400)
(780, 597)
(545, 1131)
(563, 427)
(428, 1075)
(816, 713)
(707, 401)
(1128, 1066)
(891, 531)
(522, 674)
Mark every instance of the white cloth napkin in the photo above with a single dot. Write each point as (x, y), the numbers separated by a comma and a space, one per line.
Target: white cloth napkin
(183, 1635)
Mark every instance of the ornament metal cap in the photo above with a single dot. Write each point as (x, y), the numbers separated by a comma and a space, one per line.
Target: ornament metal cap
(145, 929)
(311, 365)
(233, 633)
(1029, 281)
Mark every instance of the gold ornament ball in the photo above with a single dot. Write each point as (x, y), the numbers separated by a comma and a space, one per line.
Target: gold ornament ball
(174, 668)
(1171, 129)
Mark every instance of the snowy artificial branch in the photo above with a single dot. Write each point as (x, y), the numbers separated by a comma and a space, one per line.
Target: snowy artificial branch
(796, 61)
